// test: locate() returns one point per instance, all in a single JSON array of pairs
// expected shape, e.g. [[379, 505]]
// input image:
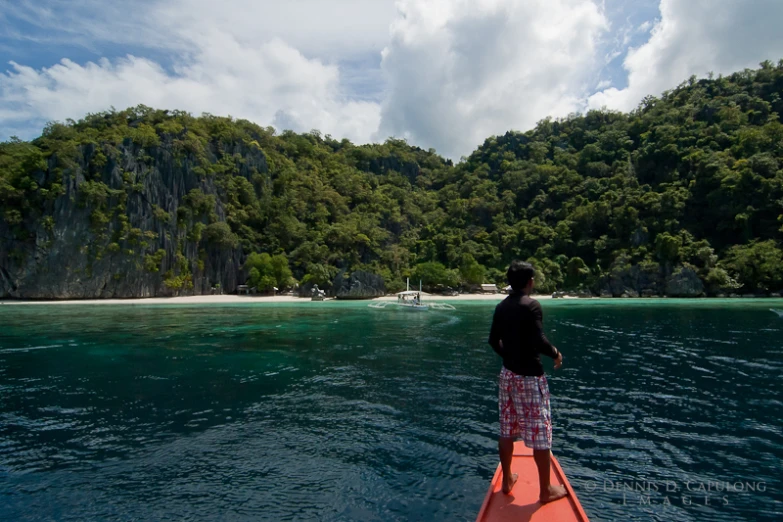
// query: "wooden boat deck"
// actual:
[[522, 504]]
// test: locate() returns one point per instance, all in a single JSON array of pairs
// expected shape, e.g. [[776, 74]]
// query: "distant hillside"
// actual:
[[683, 196]]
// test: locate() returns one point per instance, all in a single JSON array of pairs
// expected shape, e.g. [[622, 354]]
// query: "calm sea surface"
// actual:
[[663, 410]]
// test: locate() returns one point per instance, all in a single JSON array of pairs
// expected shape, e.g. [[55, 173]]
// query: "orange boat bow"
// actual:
[[522, 504]]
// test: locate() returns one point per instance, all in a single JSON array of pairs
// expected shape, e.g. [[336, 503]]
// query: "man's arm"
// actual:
[[544, 346]]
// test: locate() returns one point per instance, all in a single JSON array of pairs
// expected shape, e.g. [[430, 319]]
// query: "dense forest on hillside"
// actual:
[[683, 196]]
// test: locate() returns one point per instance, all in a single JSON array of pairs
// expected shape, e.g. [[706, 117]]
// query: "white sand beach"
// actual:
[[232, 299]]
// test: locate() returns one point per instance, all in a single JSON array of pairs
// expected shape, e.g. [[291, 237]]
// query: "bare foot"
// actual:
[[554, 493], [509, 485]]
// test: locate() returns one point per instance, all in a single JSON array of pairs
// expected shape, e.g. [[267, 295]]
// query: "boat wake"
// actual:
[[441, 306], [779, 312]]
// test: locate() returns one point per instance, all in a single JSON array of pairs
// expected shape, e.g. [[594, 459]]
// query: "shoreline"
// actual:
[[245, 299], [241, 299]]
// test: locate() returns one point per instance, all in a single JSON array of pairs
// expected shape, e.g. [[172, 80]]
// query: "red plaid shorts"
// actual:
[[523, 403]]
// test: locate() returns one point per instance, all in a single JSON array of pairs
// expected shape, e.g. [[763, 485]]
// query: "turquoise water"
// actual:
[[334, 411]]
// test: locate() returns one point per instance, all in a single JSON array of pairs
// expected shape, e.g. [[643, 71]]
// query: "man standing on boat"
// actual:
[[517, 335]]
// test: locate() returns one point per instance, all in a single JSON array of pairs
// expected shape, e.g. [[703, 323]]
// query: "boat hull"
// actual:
[[412, 307], [522, 504]]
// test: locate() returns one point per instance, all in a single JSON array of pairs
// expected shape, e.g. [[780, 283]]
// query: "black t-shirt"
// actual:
[[518, 322]]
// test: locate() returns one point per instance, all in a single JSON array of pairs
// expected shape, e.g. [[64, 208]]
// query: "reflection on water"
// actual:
[[340, 412]]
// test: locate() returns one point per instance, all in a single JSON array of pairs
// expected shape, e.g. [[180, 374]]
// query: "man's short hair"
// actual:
[[519, 274]]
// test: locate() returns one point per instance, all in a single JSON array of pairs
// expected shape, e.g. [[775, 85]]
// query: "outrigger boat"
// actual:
[[411, 299], [522, 503]]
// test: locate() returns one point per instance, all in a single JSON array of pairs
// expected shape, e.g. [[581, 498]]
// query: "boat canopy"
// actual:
[[409, 292]]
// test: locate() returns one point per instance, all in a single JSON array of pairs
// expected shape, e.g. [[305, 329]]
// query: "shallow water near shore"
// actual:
[[663, 410]]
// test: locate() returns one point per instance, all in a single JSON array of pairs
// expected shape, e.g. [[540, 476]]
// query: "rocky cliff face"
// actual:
[[648, 280], [360, 285], [632, 281], [684, 282], [125, 226]]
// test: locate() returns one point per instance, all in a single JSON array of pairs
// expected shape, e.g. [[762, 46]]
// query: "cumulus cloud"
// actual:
[[314, 27], [644, 27], [458, 71], [338, 28], [224, 58], [271, 84], [697, 37], [441, 73]]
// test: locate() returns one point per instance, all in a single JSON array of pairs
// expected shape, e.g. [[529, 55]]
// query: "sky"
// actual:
[[442, 74]]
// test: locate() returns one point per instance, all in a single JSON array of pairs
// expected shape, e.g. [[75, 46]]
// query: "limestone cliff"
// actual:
[[360, 285], [128, 221]]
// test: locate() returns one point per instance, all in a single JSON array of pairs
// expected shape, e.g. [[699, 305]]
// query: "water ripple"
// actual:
[[339, 413]]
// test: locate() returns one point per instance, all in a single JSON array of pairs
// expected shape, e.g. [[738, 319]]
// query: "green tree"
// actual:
[[260, 271], [471, 271], [690, 177], [281, 272], [577, 273], [757, 265], [433, 274], [718, 280], [319, 274], [266, 272], [254, 277], [668, 248], [220, 235]]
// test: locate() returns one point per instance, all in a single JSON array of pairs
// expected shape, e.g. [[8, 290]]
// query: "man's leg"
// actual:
[[509, 427], [541, 438], [506, 450], [548, 492]]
